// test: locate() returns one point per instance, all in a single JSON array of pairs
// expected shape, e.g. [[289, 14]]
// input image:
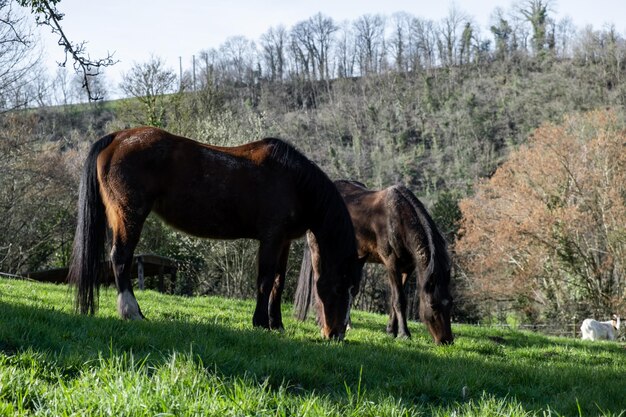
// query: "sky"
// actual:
[[135, 30]]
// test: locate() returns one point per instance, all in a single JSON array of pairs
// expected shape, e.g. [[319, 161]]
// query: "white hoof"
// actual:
[[127, 306]]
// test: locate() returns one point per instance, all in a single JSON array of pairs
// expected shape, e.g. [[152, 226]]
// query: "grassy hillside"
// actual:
[[201, 356]]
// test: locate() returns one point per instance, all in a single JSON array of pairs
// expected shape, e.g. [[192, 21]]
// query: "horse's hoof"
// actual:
[[403, 333], [279, 327], [132, 317], [260, 323], [127, 307], [127, 315]]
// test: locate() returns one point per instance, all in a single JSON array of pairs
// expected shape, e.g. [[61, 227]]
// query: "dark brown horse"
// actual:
[[393, 228], [263, 190]]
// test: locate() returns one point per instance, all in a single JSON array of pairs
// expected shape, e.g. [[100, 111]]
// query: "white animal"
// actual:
[[597, 330]]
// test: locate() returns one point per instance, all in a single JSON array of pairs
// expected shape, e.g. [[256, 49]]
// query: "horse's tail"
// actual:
[[303, 296], [86, 264]]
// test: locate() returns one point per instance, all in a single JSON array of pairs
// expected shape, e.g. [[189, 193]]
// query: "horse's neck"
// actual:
[[416, 239], [422, 251], [333, 228], [324, 243], [333, 243]]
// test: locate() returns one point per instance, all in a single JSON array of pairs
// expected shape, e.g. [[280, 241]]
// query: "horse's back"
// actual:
[[203, 190], [378, 217], [392, 224]]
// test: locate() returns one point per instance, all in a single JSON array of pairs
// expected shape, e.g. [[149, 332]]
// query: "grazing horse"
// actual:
[[393, 228], [264, 190]]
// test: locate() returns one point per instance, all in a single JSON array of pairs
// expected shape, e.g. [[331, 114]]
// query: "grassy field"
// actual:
[[201, 356]]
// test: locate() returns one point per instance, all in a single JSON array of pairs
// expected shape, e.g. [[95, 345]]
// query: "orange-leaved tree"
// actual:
[[546, 234]]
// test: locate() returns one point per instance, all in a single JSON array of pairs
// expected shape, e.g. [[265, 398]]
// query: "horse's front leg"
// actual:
[[403, 327], [269, 253], [392, 323], [397, 325], [274, 310]]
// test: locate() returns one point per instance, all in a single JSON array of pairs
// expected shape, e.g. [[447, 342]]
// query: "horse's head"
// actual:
[[615, 321], [336, 288], [435, 308]]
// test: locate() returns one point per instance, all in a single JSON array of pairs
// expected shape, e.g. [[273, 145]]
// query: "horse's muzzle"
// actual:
[[333, 335], [445, 341]]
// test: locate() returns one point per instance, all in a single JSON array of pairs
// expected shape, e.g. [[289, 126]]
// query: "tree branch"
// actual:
[[46, 14]]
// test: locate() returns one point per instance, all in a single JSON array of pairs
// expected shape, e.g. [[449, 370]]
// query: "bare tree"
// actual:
[[451, 37], [301, 46], [40, 89], [238, 57], [369, 34], [345, 54], [61, 87], [16, 59], [46, 14], [149, 83], [273, 45], [565, 33], [322, 30], [423, 36], [208, 64], [97, 86], [400, 41], [311, 41]]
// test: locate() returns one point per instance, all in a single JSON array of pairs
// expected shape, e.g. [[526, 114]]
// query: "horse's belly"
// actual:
[[206, 222], [232, 220]]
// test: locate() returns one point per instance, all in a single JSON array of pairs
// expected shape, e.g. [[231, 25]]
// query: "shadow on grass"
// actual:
[[509, 365]]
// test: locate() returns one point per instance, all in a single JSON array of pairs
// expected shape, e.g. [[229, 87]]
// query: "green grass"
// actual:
[[201, 356]]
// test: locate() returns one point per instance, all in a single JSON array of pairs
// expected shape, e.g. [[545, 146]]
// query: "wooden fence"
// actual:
[[144, 266]]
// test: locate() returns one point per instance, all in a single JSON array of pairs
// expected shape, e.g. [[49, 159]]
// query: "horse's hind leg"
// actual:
[[274, 310], [125, 239], [122, 259]]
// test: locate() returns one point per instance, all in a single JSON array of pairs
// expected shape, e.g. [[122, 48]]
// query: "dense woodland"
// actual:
[[513, 137]]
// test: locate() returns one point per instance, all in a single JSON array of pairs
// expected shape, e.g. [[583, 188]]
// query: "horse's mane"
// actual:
[[333, 226], [353, 182], [439, 260]]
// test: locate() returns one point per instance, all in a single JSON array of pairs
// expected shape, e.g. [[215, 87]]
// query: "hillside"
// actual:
[[440, 127], [201, 356]]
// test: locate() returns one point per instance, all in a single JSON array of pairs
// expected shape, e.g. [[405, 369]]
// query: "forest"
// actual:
[[513, 138]]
